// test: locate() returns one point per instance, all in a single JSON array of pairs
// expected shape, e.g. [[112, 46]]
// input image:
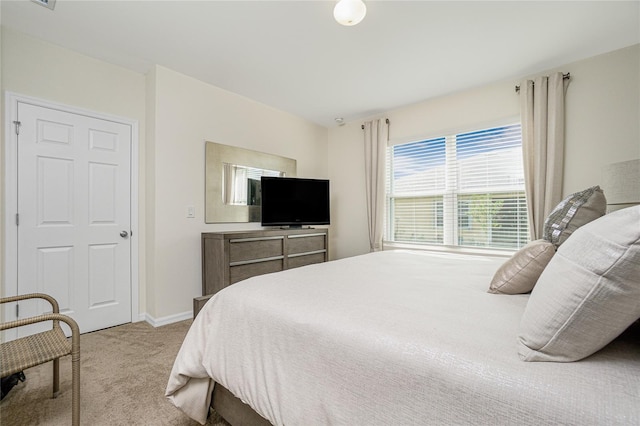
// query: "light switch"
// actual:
[[191, 212]]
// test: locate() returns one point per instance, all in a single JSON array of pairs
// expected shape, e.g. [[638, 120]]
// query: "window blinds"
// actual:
[[465, 189]]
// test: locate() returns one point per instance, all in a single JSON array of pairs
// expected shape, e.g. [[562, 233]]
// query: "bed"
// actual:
[[395, 337]]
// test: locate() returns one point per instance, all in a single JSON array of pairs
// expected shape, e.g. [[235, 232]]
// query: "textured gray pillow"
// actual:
[[588, 294], [573, 212], [519, 274]]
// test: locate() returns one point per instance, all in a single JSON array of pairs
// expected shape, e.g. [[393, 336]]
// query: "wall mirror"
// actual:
[[232, 181]]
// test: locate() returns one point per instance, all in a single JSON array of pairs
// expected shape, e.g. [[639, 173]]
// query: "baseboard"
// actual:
[[170, 319]]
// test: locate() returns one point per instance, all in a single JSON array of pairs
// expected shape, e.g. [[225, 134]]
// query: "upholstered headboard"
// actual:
[[621, 184]]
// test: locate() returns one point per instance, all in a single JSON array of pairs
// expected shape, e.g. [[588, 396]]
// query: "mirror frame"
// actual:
[[216, 154]]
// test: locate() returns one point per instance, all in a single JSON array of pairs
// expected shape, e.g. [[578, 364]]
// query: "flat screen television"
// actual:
[[294, 202]]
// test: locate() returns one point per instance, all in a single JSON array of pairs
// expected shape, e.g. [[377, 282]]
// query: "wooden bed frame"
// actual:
[[233, 410]]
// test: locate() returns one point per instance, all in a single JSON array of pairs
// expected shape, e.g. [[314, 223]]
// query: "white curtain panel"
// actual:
[[542, 114], [376, 135], [228, 177], [234, 188]]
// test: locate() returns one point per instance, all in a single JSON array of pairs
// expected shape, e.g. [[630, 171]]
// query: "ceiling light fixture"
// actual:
[[349, 12]]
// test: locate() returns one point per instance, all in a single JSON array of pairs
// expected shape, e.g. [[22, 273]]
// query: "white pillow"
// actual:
[[589, 292]]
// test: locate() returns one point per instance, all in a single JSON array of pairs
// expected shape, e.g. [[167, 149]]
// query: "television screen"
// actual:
[[294, 201]]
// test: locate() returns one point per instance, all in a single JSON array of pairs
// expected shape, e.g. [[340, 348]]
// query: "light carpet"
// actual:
[[124, 372]]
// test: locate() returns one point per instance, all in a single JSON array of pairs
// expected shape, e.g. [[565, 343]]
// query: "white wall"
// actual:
[[603, 126], [349, 229], [189, 112], [2, 194], [39, 69], [603, 116], [176, 114]]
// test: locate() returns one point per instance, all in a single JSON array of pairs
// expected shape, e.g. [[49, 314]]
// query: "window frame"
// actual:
[[451, 239]]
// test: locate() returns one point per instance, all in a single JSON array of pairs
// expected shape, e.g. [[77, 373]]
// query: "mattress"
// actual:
[[393, 337]]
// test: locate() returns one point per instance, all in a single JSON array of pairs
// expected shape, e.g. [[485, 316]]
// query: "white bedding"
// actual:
[[394, 337]]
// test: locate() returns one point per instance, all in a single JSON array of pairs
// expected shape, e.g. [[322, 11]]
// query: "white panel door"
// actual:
[[74, 195]]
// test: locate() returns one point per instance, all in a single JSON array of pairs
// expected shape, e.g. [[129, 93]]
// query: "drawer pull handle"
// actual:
[[308, 253], [249, 262], [319, 234], [247, 240]]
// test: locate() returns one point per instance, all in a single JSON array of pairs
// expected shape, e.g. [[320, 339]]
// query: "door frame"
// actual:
[[10, 274]]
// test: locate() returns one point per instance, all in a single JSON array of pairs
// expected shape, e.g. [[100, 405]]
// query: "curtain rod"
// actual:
[[386, 120], [564, 77]]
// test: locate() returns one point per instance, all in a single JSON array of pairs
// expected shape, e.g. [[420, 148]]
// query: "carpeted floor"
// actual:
[[124, 372]]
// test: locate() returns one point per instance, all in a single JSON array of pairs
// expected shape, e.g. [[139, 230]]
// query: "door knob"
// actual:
[[124, 234]]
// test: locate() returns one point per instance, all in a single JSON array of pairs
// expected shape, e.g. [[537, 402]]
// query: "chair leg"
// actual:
[[75, 373], [56, 377]]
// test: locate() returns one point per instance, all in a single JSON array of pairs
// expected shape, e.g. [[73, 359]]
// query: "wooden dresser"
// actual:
[[229, 257]]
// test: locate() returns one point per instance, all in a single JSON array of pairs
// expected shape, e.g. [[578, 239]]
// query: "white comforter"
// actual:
[[393, 337]]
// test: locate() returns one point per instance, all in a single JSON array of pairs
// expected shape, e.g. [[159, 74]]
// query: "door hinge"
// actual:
[[17, 219], [18, 124], [17, 311]]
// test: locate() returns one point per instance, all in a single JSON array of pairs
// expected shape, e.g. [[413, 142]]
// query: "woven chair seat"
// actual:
[[29, 351], [20, 354]]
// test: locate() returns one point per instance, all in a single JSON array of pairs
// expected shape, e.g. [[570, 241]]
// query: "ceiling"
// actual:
[[293, 56]]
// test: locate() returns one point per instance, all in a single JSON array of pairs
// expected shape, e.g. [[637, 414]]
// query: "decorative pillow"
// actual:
[[574, 211], [520, 273], [588, 294]]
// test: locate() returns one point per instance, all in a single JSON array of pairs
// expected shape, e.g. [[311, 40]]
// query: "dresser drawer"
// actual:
[[248, 270], [241, 249], [307, 259], [306, 243]]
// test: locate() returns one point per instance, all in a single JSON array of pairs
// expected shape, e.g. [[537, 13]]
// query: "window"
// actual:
[[464, 190]]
